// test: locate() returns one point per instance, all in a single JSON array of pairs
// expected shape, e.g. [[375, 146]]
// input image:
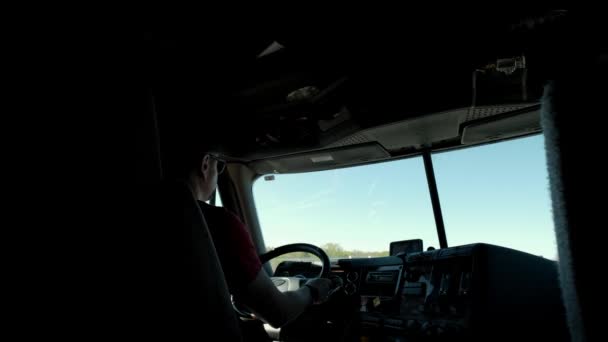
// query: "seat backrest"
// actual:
[[180, 276]]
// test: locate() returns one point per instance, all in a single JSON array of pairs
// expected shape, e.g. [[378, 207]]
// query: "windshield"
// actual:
[[498, 194], [495, 194], [350, 212]]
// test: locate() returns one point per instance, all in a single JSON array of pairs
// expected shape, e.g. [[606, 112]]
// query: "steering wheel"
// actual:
[[300, 247], [289, 283]]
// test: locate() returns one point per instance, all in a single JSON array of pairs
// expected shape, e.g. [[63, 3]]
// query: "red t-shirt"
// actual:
[[234, 247]]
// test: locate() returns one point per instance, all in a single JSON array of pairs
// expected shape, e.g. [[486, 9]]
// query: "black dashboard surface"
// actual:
[[465, 292]]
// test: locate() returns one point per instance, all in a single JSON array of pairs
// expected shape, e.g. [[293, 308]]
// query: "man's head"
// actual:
[[198, 164], [203, 177]]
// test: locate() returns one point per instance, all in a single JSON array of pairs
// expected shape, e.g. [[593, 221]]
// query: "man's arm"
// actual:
[[279, 308], [242, 266]]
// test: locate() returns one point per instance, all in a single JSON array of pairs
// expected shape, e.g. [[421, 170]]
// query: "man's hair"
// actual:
[[186, 155], [191, 121]]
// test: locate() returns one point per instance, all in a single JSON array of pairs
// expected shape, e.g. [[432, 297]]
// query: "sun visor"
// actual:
[[322, 160], [523, 122]]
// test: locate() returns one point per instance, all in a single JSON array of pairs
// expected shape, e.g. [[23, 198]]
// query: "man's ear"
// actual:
[[205, 165]]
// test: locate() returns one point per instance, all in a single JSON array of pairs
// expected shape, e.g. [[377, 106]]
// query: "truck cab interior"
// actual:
[[337, 92]]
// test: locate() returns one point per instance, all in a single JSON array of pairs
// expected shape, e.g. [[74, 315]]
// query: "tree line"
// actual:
[[334, 250]]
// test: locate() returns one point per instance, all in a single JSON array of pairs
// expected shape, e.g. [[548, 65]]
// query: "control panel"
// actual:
[[464, 293]]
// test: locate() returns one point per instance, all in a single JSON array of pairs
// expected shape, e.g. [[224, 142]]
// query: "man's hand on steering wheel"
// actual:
[[320, 289], [278, 300]]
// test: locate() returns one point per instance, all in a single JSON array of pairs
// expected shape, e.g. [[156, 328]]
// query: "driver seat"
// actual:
[[181, 282]]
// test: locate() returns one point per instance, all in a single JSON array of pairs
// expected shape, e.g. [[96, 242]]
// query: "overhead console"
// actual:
[[473, 292]]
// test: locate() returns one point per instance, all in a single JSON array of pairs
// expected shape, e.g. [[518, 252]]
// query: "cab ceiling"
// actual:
[[403, 82]]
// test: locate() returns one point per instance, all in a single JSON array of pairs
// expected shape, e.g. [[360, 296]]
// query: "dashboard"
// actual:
[[472, 292]]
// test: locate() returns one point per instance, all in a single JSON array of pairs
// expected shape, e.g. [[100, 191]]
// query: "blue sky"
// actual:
[[496, 194]]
